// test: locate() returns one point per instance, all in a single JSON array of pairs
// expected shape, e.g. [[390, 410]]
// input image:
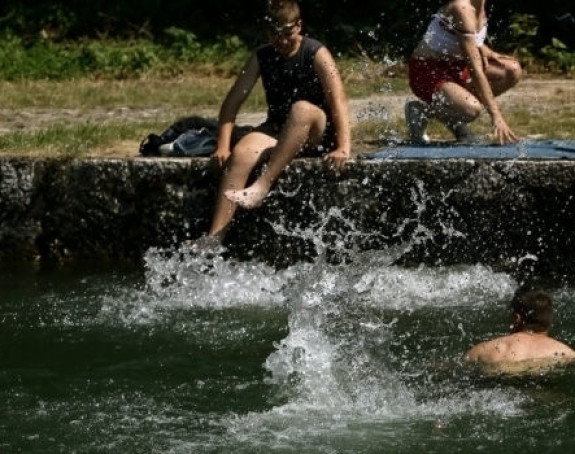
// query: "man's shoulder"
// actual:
[[490, 350], [519, 347], [560, 349]]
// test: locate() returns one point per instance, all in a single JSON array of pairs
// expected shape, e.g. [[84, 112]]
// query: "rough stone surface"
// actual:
[[507, 214]]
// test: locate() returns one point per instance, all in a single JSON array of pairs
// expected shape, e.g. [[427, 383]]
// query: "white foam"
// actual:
[[210, 281], [401, 288]]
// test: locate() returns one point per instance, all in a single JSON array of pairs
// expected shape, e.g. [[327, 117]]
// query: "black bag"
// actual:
[[150, 146]]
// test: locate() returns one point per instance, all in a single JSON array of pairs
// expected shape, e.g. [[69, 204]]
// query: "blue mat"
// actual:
[[548, 149]]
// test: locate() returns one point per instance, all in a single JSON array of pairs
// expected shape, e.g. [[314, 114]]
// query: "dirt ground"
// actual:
[[532, 95]]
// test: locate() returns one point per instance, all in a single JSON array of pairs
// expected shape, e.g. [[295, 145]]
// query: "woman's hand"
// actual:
[[502, 132], [490, 57], [486, 55]]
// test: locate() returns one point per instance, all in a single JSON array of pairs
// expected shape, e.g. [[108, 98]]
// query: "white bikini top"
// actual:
[[442, 37]]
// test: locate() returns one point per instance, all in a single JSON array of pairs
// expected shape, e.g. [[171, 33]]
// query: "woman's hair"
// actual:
[[283, 11], [535, 308]]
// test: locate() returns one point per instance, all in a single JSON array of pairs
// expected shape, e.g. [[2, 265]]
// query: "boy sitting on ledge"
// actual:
[[307, 114]]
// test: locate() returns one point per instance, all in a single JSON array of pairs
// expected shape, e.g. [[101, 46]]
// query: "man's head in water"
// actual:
[[529, 346], [532, 310]]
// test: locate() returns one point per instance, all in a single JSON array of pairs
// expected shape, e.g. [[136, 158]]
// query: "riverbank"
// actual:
[[124, 112]]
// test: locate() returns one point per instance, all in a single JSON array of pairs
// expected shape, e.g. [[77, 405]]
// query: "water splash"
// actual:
[[341, 314], [345, 358], [207, 279]]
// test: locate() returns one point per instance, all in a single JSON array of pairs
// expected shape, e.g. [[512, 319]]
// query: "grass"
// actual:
[[199, 91], [534, 112], [201, 87], [164, 100], [120, 126], [66, 142], [103, 97], [364, 77], [189, 92], [525, 124]]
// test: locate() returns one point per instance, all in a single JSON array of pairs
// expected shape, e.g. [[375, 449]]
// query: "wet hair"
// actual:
[[282, 11], [535, 307]]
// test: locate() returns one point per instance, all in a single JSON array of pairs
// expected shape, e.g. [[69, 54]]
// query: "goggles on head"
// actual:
[[280, 29]]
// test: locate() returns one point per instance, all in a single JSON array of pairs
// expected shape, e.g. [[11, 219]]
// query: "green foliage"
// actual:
[[60, 40], [523, 29], [227, 51], [558, 56], [116, 59], [183, 44], [20, 61]]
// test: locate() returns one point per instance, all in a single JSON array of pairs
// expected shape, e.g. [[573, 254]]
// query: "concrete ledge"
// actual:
[[507, 214]]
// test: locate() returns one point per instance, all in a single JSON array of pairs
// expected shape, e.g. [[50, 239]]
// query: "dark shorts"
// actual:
[[317, 151], [427, 75]]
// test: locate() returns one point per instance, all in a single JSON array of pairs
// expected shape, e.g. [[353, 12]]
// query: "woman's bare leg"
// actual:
[[503, 73], [454, 104], [306, 124], [248, 152]]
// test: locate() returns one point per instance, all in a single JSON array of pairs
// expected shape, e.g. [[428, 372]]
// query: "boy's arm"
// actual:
[[231, 105], [332, 84]]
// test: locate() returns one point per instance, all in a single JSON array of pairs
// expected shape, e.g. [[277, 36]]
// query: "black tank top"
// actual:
[[287, 80]]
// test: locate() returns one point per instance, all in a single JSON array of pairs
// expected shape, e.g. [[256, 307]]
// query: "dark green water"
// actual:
[[362, 358]]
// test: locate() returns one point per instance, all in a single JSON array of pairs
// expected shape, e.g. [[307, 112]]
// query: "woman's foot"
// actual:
[[416, 120], [463, 134], [248, 198]]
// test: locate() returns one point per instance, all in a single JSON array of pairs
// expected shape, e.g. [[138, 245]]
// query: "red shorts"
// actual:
[[427, 75]]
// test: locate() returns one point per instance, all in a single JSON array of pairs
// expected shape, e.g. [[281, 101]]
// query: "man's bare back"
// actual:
[[529, 346], [522, 346]]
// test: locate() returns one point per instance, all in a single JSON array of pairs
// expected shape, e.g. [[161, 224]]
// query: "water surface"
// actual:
[[210, 355]]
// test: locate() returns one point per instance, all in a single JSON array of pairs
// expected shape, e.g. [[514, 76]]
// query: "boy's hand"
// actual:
[[336, 159], [221, 155]]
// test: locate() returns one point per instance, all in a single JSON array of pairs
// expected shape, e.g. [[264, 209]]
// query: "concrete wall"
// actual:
[[507, 214]]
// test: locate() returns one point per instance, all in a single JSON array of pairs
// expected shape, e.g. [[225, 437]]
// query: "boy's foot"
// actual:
[[205, 242], [463, 134], [416, 121], [247, 198], [207, 246]]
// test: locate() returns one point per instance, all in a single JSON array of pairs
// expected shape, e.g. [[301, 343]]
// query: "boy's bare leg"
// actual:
[[246, 155], [306, 124]]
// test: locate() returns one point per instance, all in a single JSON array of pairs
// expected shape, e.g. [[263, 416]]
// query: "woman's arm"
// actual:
[[230, 107], [489, 54], [332, 84], [464, 16]]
